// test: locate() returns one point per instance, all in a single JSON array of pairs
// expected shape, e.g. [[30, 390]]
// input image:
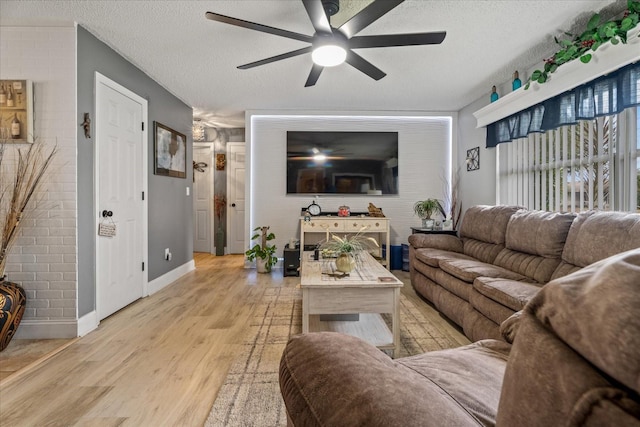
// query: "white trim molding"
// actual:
[[47, 329], [166, 279], [88, 323], [606, 59]]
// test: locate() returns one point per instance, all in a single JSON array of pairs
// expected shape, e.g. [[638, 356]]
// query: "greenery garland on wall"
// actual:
[[595, 35]]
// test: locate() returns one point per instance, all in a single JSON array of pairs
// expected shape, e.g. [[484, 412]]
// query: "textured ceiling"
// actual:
[[196, 59]]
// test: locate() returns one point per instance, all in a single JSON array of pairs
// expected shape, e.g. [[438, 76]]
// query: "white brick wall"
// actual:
[[44, 257]]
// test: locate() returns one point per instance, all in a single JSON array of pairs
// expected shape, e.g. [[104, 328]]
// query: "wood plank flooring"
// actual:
[[159, 361]]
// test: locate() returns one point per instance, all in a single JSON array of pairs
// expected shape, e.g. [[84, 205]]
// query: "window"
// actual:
[[593, 164]]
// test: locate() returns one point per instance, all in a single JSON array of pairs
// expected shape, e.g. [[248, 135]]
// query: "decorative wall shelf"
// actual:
[[606, 59]]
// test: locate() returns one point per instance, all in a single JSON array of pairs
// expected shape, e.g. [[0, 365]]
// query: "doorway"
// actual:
[[203, 197], [235, 197], [120, 166]]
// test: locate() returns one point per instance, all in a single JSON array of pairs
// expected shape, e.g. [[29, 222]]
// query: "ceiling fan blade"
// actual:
[[318, 17], [412, 39], [258, 27], [314, 75], [276, 58], [367, 15], [365, 66]]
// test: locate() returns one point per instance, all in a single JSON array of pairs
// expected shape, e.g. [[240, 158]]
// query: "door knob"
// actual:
[[233, 205], [107, 214]]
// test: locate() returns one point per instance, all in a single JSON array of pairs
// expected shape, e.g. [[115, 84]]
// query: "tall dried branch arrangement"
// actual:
[[20, 179], [452, 203]]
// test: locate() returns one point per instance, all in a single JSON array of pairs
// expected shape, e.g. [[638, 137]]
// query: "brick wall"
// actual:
[[44, 258]]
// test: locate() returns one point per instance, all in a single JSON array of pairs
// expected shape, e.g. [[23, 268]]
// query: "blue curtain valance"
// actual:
[[603, 96]]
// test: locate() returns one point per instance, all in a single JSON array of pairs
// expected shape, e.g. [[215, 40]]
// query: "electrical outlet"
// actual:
[[188, 191], [167, 255]]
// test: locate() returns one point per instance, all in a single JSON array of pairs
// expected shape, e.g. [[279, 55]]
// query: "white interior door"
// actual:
[[203, 199], [121, 169], [235, 197]]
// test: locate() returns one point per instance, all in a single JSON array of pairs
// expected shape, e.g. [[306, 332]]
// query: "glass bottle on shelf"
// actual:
[[10, 97], [517, 83], [15, 127], [494, 94], [3, 95]]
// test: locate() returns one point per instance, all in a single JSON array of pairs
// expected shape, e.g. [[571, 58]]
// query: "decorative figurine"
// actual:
[[87, 126]]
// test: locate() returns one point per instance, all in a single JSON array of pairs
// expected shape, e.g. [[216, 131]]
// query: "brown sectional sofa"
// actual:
[[505, 255], [575, 361]]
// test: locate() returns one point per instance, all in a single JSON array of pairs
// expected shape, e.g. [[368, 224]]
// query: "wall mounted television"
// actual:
[[353, 163]]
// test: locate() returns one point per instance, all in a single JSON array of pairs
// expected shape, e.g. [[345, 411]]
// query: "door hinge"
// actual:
[[142, 125], [143, 195], [143, 266]]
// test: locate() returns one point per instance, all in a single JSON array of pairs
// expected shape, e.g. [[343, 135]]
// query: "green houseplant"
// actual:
[[263, 253], [425, 208], [594, 35], [345, 248]]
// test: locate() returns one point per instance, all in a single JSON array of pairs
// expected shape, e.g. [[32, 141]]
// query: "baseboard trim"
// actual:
[[47, 329], [88, 323], [166, 279]]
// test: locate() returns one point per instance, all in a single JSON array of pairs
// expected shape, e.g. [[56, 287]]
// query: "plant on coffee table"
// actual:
[[346, 247]]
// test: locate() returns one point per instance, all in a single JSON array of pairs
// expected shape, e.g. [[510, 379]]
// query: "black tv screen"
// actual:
[[342, 162]]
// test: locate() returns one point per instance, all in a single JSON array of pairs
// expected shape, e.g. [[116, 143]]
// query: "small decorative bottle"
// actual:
[[10, 97], [3, 95], [15, 127], [517, 83], [494, 94]]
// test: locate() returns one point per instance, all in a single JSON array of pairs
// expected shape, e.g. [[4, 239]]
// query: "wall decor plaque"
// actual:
[[16, 110]]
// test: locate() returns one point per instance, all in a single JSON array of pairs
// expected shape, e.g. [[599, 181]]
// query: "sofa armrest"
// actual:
[[509, 328], [445, 242]]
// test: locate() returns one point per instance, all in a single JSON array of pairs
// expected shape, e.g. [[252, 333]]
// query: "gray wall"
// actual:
[[170, 210], [476, 187]]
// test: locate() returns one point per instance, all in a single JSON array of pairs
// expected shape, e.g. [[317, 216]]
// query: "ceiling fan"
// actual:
[[331, 46]]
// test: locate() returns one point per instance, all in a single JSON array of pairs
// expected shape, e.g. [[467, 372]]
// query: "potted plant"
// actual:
[[425, 208], [345, 248], [20, 178], [262, 253]]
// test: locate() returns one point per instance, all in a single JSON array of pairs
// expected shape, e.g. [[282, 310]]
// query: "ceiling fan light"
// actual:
[[329, 55], [319, 158]]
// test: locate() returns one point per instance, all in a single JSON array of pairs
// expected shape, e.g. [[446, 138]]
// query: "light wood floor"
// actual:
[[159, 361]]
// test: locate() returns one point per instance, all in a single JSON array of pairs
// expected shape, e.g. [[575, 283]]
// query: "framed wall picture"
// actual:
[[16, 110], [473, 159], [170, 152]]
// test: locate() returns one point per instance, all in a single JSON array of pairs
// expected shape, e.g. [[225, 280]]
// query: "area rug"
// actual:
[[250, 396]]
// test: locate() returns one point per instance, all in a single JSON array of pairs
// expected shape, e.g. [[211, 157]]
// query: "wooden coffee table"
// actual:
[[369, 290]]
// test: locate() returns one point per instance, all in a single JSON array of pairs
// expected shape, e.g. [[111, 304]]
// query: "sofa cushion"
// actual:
[[487, 223], [458, 287], [609, 291], [597, 235], [511, 293], [537, 268], [482, 251], [433, 257], [580, 361], [330, 379], [468, 270], [490, 309], [437, 241], [538, 232]]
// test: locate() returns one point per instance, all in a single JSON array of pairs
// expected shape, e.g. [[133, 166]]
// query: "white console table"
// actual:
[[348, 224]]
